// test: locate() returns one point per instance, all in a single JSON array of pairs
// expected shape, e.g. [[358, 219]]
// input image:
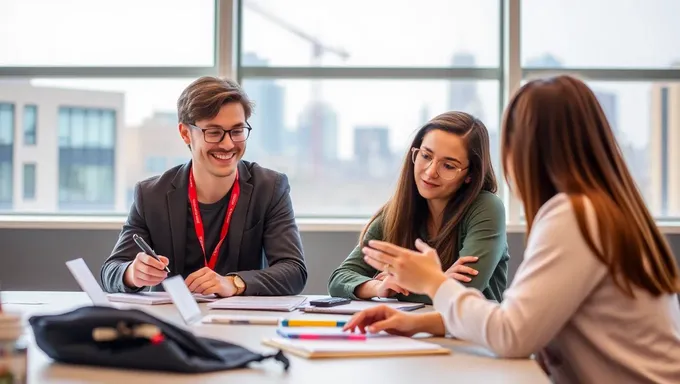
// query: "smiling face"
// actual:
[[217, 159], [440, 165]]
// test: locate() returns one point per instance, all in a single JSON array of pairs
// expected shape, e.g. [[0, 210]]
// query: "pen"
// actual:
[[312, 323], [145, 247], [272, 321]]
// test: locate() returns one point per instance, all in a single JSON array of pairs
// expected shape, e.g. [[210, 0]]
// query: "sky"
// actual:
[[426, 33]]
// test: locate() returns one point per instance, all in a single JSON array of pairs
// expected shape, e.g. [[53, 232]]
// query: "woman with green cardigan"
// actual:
[[445, 196]]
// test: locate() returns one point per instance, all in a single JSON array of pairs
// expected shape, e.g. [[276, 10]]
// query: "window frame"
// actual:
[[228, 39]]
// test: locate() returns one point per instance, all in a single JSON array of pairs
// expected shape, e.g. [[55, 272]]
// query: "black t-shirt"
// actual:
[[213, 218]]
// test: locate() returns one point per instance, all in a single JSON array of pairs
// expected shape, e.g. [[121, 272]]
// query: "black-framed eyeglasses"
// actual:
[[445, 169], [216, 135]]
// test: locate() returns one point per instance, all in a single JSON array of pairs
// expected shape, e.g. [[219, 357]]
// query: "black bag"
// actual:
[[130, 338]]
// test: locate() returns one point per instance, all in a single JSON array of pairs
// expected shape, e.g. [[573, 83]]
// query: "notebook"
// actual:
[[371, 347], [358, 306], [261, 303], [87, 282]]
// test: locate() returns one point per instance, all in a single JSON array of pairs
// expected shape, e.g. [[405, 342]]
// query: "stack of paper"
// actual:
[[260, 303], [152, 298], [371, 347], [358, 306]]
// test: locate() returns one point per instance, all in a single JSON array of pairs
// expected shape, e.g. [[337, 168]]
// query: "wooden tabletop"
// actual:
[[466, 363]]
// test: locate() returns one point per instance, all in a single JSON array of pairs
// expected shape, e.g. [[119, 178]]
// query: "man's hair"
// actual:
[[203, 99]]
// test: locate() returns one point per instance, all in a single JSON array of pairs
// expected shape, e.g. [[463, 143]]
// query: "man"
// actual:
[[216, 219]]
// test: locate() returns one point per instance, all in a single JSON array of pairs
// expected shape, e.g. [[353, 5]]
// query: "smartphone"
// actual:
[[330, 302]]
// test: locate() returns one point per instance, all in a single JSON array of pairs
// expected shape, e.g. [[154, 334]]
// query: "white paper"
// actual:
[[264, 303], [87, 282]]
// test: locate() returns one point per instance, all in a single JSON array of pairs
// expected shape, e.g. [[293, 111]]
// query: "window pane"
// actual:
[[363, 33], [601, 34], [95, 33], [29, 181], [30, 124], [342, 154], [6, 123], [6, 185], [93, 128]]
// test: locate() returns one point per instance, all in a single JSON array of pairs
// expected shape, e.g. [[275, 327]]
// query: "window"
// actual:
[[122, 33], [336, 102], [382, 33], [6, 124], [632, 65], [29, 181], [601, 34], [30, 124], [336, 106], [86, 159], [6, 155]]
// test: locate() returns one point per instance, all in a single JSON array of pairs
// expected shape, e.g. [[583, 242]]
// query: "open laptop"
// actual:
[[89, 284]]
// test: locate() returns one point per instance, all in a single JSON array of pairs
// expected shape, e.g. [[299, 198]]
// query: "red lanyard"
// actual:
[[198, 222]]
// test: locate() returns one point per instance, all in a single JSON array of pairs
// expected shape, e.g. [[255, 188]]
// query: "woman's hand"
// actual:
[[418, 272], [388, 287], [458, 269], [384, 318]]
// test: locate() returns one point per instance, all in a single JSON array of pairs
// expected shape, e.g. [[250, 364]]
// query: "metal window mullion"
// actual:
[[371, 73], [513, 67], [106, 72], [608, 74], [227, 44]]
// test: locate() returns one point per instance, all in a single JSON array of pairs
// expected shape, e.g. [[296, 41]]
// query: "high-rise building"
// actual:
[[59, 149], [463, 95], [372, 151], [267, 120], [318, 133], [664, 149], [371, 141]]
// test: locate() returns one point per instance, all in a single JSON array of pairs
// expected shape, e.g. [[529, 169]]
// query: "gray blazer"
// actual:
[[264, 244]]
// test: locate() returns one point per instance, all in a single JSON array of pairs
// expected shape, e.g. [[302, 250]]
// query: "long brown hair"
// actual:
[[405, 214], [556, 139]]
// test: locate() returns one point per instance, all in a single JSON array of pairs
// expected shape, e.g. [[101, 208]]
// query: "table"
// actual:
[[466, 363]]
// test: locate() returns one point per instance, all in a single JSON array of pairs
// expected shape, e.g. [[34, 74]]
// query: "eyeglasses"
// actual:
[[446, 169], [216, 135]]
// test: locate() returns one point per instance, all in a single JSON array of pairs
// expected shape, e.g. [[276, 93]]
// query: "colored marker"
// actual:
[[311, 336], [312, 323]]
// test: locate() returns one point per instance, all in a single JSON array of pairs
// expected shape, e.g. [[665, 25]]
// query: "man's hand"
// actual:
[[205, 281], [459, 271], [145, 271]]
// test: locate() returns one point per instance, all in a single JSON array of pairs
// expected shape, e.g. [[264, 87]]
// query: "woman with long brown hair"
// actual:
[[596, 293], [446, 196]]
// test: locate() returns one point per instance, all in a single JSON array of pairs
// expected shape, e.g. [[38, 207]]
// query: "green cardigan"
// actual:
[[481, 233]]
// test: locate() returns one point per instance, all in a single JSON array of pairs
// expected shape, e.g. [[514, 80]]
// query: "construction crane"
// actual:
[[319, 48]]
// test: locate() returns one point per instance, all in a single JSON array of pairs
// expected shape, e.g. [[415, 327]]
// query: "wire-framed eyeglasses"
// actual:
[[446, 169], [216, 135]]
